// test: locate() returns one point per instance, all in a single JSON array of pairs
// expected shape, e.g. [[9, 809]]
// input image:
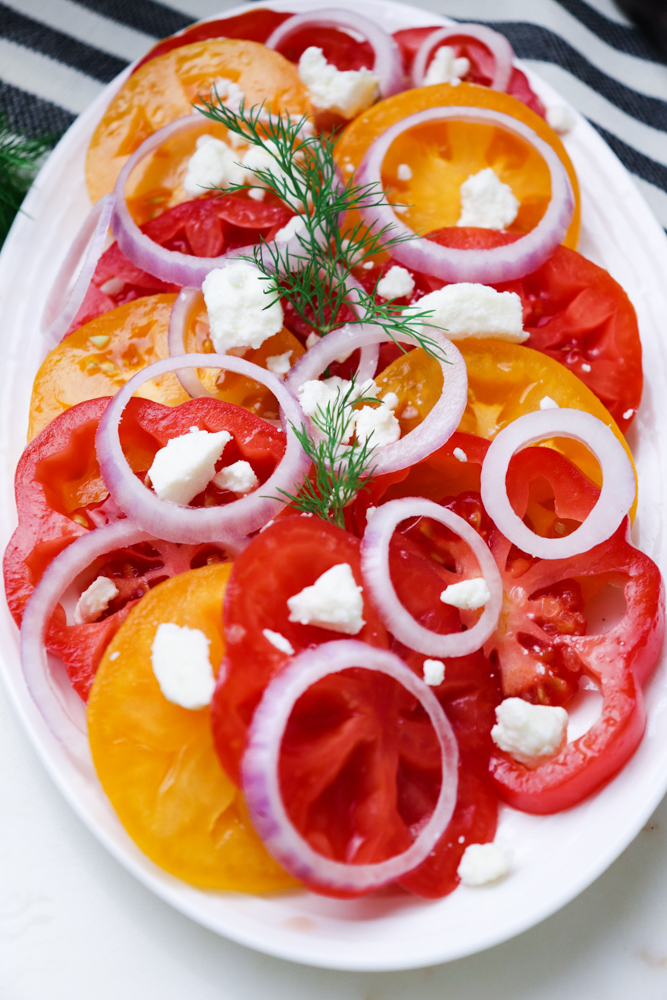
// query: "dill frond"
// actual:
[[20, 159]]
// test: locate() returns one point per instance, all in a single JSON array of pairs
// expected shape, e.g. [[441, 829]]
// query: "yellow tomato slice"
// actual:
[[156, 760], [442, 155], [164, 89], [504, 382], [100, 357]]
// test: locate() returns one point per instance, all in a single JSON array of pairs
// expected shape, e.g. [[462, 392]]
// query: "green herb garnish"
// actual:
[[20, 159]]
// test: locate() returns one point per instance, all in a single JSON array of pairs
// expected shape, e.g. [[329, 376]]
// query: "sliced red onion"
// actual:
[[497, 44], [65, 298], [375, 569], [439, 424], [171, 265], [388, 62], [178, 322], [64, 569], [229, 523], [489, 266], [618, 480], [260, 768]]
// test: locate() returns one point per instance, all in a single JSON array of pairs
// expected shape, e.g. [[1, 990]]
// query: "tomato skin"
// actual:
[[254, 25], [60, 495], [283, 559], [411, 39], [203, 227]]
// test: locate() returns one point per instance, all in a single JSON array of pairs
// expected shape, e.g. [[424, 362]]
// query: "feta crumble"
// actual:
[[239, 478], [186, 465], [333, 602], [397, 283], [181, 664], [377, 423], [561, 119], [468, 595], [530, 733], [95, 600], [628, 414], [312, 339], [467, 309], [290, 229], [483, 863], [460, 455], [213, 164], [345, 92], [585, 367], [445, 67], [240, 308], [279, 364], [404, 172], [547, 403], [434, 672], [487, 202], [278, 640]]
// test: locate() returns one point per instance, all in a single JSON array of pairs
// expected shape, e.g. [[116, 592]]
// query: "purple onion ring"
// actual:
[[497, 44], [261, 782]]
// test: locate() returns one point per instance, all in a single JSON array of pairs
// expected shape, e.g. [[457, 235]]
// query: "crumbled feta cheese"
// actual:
[[390, 399], [585, 367], [114, 286], [547, 403], [397, 283], [279, 364], [240, 308], [404, 172], [238, 478], [378, 423], [181, 664], [262, 158], [370, 510], [400, 209], [345, 92], [445, 67], [529, 732], [228, 93], [95, 600], [213, 164], [368, 265], [628, 414], [333, 602], [312, 339], [561, 119], [483, 863], [186, 465], [292, 228], [472, 310], [487, 202], [434, 672], [114, 656], [460, 455], [315, 396], [468, 595], [410, 412], [279, 641]]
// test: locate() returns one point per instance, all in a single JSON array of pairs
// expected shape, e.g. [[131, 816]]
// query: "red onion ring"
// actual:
[[228, 524], [60, 573], [439, 424], [375, 570], [170, 265], [489, 266], [618, 480], [64, 302], [497, 44], [388, 62], [261, 783]]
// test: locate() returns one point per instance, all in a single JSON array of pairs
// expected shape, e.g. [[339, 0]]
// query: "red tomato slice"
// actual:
[[204, 227], [481, 64], [255, 25], [60, 495], [573, 310], [288, 556]]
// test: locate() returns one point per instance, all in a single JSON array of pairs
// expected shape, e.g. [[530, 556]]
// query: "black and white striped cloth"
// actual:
[[56, 55]]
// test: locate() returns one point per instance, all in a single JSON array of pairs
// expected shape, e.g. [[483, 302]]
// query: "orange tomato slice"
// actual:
[[156, 760], [163, 90], [504, 382], [442, 155], [100, 357]]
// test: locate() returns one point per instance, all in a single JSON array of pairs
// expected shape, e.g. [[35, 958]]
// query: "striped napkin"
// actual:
[[56, 56]]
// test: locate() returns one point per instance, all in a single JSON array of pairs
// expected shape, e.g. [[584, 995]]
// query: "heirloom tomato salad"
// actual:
[[326, 502]]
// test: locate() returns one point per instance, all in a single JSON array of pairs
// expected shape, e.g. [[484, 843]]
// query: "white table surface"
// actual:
[[75, 924]]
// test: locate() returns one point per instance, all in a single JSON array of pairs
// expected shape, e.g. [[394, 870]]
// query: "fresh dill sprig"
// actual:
[[339, 471], [20, 159], [300, 169]]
